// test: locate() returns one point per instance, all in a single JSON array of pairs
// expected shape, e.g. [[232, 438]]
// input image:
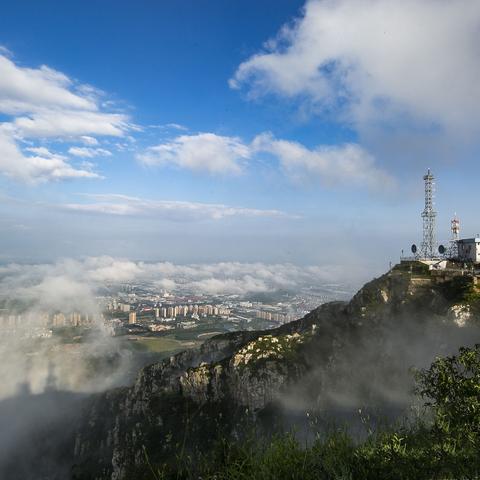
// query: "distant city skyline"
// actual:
[[282, 132]]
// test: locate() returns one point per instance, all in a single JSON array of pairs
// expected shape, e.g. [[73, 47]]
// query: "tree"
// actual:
[[451, 387]]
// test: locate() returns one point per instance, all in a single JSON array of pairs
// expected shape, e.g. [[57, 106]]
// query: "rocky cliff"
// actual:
[[338, 358]]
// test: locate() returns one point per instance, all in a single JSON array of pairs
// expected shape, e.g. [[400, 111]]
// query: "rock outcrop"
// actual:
[[337, 358]]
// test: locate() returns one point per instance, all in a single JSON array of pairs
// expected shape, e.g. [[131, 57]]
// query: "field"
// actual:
[[167, 344]]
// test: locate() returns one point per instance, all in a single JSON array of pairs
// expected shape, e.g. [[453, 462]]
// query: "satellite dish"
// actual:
[[442, 249], [414, 248]]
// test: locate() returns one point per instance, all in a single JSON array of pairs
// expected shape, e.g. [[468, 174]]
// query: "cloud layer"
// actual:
[[53, 286], [123, 205]]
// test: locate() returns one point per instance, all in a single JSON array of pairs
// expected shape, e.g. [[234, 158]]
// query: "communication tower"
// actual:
[[429, 243], [453, 250]]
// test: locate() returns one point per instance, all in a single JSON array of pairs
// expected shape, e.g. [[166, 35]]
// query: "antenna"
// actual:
[[428, 247], [455, 228]]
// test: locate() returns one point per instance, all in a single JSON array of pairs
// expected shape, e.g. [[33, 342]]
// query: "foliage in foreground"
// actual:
[[447, 447]]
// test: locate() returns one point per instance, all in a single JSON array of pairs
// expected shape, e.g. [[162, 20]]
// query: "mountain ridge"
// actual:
[[338, 357]]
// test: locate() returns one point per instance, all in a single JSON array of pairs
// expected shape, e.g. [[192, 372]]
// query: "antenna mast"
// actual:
[[429, 243], [453, 253]]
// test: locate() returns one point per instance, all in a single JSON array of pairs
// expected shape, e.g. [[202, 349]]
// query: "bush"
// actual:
[[445, 447]]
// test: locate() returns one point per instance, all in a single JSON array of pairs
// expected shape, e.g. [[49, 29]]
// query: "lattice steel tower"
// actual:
[[429, 243]]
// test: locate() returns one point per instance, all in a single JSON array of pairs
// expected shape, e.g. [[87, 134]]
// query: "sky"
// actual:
[[207, 131]]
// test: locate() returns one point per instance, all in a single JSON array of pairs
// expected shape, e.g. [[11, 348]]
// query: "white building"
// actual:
[[469, 250]]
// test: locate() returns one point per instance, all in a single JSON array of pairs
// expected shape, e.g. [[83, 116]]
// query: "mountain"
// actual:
[[341, 357]]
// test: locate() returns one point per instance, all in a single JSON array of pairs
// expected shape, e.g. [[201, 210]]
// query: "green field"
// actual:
[[163, 344]]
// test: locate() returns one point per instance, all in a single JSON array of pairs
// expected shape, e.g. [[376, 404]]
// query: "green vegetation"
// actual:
[[459, 289], [413, 267], [160, 344], [446, 446], [70, 334], [280, 348], [201, 328], [462, 291]]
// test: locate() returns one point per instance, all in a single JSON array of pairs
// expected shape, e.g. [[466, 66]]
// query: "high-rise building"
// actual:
[[132, 317], [59, 320]]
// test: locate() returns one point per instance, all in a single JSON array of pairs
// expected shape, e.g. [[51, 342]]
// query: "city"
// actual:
[[162, 322]]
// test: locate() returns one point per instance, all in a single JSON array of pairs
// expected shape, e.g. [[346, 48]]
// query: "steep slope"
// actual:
[[338, 358]]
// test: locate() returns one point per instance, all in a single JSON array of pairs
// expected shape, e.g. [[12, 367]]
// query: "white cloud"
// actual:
[[42, 103], [81, 277], [122, 205], [376, 61], [204, 152], [5, 51], [346, 164], [176, 126], [48, 103], [44, 166], [86, 152], [87, 140], [25, 89], [42, 151], [70, 123]]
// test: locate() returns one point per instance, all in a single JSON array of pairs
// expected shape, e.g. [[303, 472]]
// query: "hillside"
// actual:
[[335, 360]]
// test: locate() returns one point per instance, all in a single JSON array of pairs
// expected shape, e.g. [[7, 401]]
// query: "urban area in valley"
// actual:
[[160, 322]]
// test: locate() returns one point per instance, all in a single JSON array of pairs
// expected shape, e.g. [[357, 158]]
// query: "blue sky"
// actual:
[[273, 131]]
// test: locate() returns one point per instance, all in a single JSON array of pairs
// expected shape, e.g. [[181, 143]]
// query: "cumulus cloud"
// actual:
[[204, 152], [40, 167], [332, 164], [377, 60], [25, 89], [112, 204], [43, 103], [46, 102]]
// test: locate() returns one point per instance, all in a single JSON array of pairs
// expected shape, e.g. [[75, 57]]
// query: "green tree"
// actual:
[[451, 387]]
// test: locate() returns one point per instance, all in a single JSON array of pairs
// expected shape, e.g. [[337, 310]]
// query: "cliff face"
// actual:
[[339, 357]]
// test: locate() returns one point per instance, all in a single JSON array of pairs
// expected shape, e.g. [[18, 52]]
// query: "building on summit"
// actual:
[[463, 250], [469, 250]]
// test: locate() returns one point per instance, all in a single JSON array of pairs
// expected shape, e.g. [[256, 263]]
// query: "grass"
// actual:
[[407, 454], [441, 442], [162, 344]]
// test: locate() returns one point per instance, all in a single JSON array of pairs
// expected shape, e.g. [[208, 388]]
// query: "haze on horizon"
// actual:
[[274, 132]]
